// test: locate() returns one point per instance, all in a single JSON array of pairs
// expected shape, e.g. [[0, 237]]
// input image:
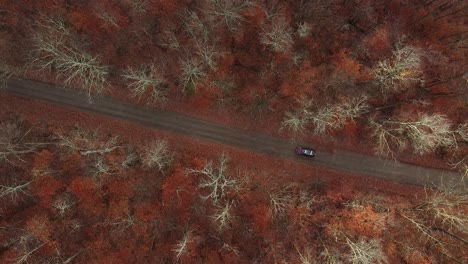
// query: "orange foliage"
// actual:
[[42, 159], [85, 21], [88, 194], [147, 211], [261, 218], [46, 186], [118, 207], [344, 62], [391, 251], [286, 90], [416, 257], [365, 222], [224, 66], [177, 191], [349, 131], [377, 43], [256, 15], [201, 101], [40, 226], [166, 7]]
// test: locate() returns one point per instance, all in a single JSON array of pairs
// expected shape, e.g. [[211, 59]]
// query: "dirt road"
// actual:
[[339, 160]]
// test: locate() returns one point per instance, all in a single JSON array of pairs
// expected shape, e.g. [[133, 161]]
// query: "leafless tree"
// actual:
[[449, 206], [228, 12], [181, 248], [305, 256], [157, 155], [403, 69], [194, 26], [192, 71], [168, 39], [139, 6], [424, 134], [324, 118], [147, 80], [216, 180], [223, 216], [277, 35], [15, 189], [54, 50], [209, 55], [13, 141], [63, 203], [366, 251], [124, 223], [279, 202], [88, 142]]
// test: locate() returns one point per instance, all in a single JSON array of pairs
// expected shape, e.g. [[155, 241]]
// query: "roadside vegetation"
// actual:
[[161, 202]]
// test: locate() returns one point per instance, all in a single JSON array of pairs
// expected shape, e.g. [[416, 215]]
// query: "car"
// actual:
[[305, 151]]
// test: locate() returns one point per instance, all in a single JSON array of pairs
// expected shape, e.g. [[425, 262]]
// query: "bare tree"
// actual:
[[448, 206], [99, 167], [14, 190], [324, 118], [25, 255], [63, 203], [146, 80], [403, 69], [386, 139], [157, 155], [95, 148], [192, 72], [53, 50], [124, 223], [279, 202], [88, 142], [25, 245], [139, 6], [130, 159], [13, 141], [216, 180], [223, 216], [366, 251], [194, 26], [168, 39], [277, 35], [181, 248], [424, 134], [209, 55], [108, 19], [331, 255], [228, 12], [306, 256]]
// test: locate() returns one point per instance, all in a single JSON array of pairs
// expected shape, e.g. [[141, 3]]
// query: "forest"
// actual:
[[385, 78]]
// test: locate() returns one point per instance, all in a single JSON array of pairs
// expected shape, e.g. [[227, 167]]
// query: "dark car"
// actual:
[[304, 151]]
